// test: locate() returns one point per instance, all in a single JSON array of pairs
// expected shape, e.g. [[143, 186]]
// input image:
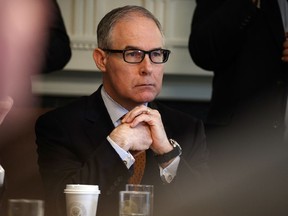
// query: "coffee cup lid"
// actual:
[[81, 188]]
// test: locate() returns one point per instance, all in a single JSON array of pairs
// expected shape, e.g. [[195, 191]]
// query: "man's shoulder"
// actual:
[[179, 121], [76, 106], [71, 112], [68, 108], [173, 113]]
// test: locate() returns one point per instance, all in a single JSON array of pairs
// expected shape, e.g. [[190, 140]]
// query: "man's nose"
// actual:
[[146, 65]]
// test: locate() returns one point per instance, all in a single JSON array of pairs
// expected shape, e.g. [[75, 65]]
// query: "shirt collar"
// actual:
[[115, 110]]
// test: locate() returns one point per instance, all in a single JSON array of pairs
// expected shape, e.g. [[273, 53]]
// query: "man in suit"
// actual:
[[243, 43], [90, 142]]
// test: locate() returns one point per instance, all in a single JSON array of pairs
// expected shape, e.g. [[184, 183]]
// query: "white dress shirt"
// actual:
[[116, 111]]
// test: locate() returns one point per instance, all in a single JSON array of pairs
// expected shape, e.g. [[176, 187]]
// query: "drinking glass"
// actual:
[[25, 207], [134, 203], [147, 188]]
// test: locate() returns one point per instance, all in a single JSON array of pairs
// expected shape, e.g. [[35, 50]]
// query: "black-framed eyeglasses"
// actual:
[[134, 56]]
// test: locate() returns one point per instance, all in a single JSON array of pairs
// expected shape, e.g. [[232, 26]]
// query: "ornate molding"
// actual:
[[83, 45]]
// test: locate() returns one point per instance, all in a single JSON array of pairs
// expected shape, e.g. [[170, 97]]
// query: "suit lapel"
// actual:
[[98, 121]]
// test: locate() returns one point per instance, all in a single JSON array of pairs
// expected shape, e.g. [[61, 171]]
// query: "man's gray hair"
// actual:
[[107, 23]]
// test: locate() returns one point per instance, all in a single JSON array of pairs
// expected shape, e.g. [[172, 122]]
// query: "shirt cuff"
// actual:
[[126, 157], [168, 173]]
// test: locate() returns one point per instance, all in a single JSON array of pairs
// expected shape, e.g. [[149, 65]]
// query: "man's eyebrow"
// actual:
[[131, 47], [134, 47]]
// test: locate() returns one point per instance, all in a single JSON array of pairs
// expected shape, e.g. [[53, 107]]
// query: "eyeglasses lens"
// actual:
[[137, 56]]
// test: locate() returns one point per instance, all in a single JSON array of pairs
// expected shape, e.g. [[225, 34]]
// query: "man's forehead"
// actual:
[[135, 27]]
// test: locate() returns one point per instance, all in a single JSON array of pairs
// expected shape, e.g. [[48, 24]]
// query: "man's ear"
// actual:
[[100, 57]]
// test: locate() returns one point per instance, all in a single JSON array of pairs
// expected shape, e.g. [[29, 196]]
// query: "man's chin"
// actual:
[[147, 98]]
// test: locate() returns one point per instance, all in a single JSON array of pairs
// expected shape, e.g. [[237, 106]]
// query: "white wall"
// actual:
[[82, 16], [183, 80]]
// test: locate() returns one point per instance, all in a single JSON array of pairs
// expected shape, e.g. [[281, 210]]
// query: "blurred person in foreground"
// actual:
[[22, 38], [97, 138], [33, 40], [243, 42]]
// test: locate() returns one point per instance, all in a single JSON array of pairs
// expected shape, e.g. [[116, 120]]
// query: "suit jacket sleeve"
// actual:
[[193, 175], [67, 156]]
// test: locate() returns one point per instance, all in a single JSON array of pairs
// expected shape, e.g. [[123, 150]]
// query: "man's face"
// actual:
[[133, 84]]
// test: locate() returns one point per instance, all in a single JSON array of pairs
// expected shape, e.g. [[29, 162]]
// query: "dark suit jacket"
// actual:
[[58, 50], [243, 46], [73, 148]]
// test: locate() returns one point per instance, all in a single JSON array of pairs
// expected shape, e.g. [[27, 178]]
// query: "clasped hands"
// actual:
[[141, 129]]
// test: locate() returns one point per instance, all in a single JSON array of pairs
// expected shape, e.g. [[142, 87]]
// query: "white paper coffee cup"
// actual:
[[81, 199]]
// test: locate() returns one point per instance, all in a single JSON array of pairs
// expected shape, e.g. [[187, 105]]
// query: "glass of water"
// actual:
[[25, 207], [141, 187], [134, 203]]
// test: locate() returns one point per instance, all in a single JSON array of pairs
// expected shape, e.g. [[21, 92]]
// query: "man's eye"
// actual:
[[134, 53], [157, 53]]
